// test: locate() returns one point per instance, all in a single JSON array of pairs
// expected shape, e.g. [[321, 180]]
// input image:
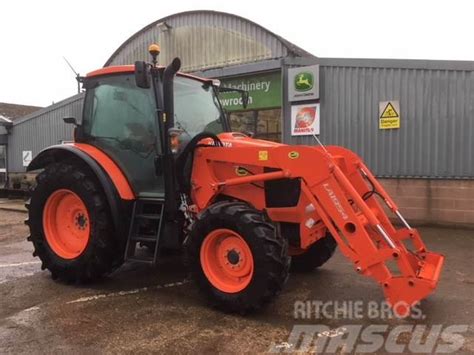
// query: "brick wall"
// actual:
[[424, 201]]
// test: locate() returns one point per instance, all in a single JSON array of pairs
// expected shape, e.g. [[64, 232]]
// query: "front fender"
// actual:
[[100, 163], [114, 183]]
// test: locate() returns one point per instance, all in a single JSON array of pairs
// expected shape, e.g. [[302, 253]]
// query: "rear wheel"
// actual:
[[70, 224], [238, 259], [316, 255]]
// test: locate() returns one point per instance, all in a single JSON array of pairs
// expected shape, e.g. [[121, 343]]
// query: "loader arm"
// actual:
[[337, 192]]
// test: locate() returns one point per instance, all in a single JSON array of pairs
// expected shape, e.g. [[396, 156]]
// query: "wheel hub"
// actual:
[[227, 260], [233, 257], [81, 221], [66, 224]]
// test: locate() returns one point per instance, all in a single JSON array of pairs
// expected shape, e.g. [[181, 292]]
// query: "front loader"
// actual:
[[154, 162]]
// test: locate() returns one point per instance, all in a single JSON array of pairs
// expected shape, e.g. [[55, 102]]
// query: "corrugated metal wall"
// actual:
[[203, 39], [436, 107], [41, 129], [437, 115]]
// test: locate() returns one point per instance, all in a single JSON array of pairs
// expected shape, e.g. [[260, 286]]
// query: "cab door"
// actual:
[[120, 119]]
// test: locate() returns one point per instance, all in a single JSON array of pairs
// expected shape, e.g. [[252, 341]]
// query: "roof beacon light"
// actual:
[[154, 50]]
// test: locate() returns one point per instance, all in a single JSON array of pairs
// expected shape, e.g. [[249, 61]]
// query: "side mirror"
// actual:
[[174, 134], [175, 131], [70, 120], [142, 78]]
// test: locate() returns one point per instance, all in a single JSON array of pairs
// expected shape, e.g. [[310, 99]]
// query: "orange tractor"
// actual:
[[154, 162]]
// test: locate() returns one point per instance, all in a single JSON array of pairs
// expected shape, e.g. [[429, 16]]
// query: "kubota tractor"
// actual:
[[154, 162]]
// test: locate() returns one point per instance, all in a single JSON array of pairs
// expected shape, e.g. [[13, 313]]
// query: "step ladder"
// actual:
[[145, 227]]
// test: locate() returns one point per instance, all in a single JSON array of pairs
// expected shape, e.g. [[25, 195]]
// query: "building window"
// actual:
[[262, 116], [265, 124]]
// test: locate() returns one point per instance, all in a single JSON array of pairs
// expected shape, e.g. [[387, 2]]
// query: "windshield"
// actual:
[[196, 107]]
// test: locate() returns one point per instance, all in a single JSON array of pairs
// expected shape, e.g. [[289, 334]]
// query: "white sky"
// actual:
[[35, 35]]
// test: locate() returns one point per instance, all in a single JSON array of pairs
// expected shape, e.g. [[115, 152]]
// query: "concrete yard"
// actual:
[[140, 309]]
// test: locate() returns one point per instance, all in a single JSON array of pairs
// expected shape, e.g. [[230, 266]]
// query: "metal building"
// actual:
[[436, 103], [436, 98], [210, 44], [32, 133]]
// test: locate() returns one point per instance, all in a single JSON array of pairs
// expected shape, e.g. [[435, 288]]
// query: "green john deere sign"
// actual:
[[264, 92], [304, 81]]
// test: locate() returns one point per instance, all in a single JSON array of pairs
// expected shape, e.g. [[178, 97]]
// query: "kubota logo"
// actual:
[[304, 81], [293, 155], [239, 171]]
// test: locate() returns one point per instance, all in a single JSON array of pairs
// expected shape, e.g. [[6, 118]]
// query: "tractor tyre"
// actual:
[[316, 255], [70, 224], [237, 257]]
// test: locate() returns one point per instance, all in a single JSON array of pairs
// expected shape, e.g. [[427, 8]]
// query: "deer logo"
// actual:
[[303, 81]]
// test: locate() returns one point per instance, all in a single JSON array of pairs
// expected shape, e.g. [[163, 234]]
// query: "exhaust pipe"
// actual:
[[168, 95], [171, 200]]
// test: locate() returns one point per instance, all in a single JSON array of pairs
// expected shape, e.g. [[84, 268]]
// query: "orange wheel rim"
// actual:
[[227, 260], [66, 224]]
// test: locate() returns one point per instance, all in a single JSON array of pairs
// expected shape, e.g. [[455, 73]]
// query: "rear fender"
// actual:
[[114, 183]]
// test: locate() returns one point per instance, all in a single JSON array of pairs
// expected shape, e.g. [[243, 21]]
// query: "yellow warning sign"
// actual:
[[389, 111], [389, 116]]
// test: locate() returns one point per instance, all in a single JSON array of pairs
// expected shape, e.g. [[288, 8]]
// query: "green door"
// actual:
[[119, 119]]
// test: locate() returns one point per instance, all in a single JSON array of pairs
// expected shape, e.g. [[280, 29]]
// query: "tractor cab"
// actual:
[[132, 124]]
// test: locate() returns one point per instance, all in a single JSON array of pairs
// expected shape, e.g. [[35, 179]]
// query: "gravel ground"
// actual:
[[140, 309]]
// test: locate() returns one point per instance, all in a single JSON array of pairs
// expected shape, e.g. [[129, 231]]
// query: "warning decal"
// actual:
[[263, 155], [27, 157], [389, 114]]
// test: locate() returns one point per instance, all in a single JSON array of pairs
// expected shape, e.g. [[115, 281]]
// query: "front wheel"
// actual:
[[70, 224], [238, 259]]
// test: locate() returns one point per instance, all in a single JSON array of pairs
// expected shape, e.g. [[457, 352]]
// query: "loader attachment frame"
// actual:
[[337, 193]]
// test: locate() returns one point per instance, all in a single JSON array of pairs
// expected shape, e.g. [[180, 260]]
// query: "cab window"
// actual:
[[119, 118], [118, 110]]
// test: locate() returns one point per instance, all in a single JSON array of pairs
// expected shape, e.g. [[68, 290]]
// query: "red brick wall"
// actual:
[[425, 201]]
